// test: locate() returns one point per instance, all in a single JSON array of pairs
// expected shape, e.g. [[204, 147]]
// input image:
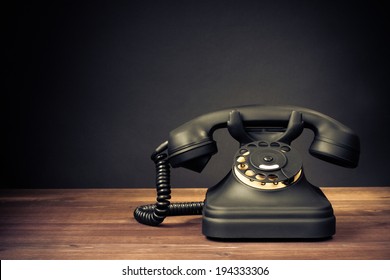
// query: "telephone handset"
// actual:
[[265, 194]]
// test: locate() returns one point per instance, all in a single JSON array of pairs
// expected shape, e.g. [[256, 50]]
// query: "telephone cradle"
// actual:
[[265, 195]]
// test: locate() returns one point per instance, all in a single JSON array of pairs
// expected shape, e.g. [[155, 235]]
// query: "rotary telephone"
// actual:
[[265, 194]]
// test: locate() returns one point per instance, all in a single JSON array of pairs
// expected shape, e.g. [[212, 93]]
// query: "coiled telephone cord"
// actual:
[[154, 214]]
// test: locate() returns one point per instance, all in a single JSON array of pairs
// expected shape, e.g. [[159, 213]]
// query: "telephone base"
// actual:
[[233, 210]]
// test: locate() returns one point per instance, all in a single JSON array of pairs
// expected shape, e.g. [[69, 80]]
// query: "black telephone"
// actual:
[[265, 194]]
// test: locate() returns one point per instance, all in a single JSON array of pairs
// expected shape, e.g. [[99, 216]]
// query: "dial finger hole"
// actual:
[[285, 149], [272, 177], [260, 177], [249, 173], [242, 166], [263, 144], [244, 152], [241, 159]]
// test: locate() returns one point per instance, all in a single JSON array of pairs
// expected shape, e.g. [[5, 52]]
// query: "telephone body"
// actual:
[[265, 194]]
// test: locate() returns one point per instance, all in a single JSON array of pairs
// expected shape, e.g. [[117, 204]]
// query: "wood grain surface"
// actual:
[[99, 224]]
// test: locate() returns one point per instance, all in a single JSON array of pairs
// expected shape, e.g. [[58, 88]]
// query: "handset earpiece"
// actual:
[[333, 142], [195, 156], [344, 152], [191, 145]]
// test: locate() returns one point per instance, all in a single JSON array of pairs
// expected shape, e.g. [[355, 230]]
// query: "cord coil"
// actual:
[[154, 214]]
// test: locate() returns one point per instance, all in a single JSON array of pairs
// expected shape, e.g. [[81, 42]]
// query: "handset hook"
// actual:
[[294, 128], [237, 130]]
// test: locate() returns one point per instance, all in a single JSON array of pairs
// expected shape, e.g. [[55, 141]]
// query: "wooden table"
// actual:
[[99, 224]]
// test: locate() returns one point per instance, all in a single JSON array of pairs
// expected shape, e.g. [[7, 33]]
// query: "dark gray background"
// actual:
[[92, 87]]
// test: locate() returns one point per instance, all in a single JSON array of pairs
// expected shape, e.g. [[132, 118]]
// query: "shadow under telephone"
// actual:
[[265, 194]]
